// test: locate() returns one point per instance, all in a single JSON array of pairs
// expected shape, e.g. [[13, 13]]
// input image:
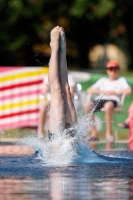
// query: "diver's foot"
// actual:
[[62, 39], [55, 35]]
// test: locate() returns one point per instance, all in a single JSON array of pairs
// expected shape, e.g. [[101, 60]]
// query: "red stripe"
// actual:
[[30, 122], [21, 85], [19, 113], [4, 69]]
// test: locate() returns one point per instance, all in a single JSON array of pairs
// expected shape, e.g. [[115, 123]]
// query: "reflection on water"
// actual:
[[70, 183], [24, 177], [66, 169]]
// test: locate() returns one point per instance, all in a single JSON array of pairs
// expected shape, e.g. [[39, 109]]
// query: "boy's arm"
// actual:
[[127, 91], [94, 91]]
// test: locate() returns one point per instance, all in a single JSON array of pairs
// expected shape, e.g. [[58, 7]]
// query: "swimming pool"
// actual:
[[24, 177], [90, 177]]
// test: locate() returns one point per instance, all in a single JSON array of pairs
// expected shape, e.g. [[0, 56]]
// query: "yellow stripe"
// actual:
[[19, 104], [25, 74]]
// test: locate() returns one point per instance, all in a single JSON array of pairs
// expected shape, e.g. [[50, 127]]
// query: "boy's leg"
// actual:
[[109, 107], [57, 117], [70, 113]]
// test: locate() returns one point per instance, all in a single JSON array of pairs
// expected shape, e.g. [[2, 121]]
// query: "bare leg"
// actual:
[[70, 113], [57, 117], [62, 110], [42, 118], [109, 106]]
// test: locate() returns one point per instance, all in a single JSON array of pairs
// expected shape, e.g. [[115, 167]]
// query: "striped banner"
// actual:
[[20, 88]]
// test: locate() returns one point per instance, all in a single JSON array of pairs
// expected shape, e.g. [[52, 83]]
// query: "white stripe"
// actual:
[[18, 118], [20, 99], [20, 70]]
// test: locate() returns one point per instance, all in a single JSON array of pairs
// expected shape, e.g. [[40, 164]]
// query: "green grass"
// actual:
[[115, 145], [18, 133]]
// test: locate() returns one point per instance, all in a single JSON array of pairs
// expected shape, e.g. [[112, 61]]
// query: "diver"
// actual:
[[62, 111]]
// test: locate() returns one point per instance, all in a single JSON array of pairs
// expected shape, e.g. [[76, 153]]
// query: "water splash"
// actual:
[[64, 150]]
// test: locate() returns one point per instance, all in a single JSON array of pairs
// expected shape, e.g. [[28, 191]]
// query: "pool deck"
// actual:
[[8, 147]]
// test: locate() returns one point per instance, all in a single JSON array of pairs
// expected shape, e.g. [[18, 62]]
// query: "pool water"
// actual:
[[66, 168], [25, 177], [59, 171]]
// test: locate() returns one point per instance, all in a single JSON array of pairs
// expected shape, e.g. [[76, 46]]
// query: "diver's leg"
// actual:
[[57, 122], [70, 114]]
